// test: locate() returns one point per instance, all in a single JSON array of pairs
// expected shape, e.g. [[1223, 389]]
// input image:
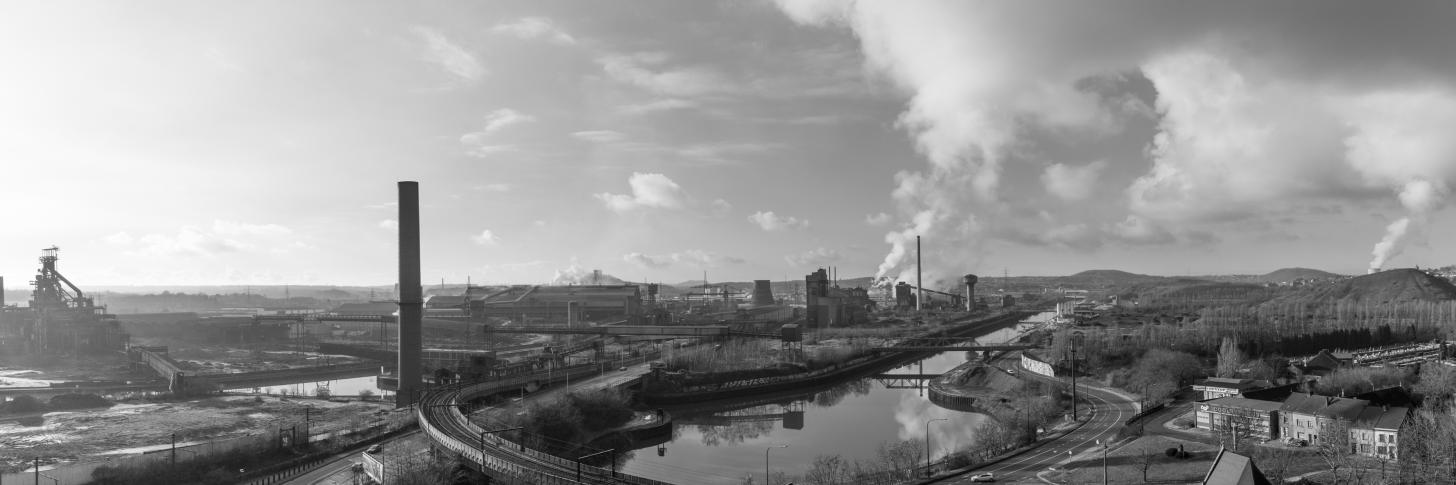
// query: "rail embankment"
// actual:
[[661, 389]]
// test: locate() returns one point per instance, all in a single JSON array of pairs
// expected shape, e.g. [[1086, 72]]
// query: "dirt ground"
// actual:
[[131, 426]]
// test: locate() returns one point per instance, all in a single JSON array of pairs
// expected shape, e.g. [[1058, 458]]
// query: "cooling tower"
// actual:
[[762, 293]]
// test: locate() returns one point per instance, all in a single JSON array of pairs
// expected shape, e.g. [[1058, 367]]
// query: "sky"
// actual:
[[231, 143]]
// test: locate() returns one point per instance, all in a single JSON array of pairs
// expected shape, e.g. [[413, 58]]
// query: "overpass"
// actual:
[[441, 419]]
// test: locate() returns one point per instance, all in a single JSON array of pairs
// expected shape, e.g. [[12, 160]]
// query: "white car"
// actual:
[[983, 477]]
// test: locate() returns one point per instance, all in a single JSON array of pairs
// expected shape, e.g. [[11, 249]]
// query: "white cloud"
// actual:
[[448, 55], [486, 238], [658, 105], [600, 136], [814, 257], [222, 237], [720, 208], [879, 219], [389, 225], [501, 118], [645, 71], [646, 261], [495, 188], [478, 143], [769, 221], [696, 258], [1072, 183], [649, 190], [120, 239], [535, 28]]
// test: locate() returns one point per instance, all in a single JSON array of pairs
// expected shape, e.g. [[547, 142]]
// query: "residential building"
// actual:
[[1320, 420]]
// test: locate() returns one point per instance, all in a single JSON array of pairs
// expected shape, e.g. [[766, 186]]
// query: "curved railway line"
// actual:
[[441, 418]]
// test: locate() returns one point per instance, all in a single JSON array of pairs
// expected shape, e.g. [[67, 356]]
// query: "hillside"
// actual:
[[1285, 275], [1393, 286], [1105, 278]]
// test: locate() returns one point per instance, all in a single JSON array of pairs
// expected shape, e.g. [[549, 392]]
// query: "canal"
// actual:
[[725, 442]]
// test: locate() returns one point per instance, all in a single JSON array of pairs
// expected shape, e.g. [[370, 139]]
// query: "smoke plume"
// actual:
[[1260, 108]]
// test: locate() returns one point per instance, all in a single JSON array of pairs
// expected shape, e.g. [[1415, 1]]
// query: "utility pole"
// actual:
[[174, 453], [1074, 380], [927, 443], [1104, 461]]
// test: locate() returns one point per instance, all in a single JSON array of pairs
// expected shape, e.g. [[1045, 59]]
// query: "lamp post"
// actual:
[[1104, 461], [927, 442], [765, 461]]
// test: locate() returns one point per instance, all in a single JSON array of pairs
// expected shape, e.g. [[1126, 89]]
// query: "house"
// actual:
[[1316, 419], [1231, 468], [1323, 363], [1375, 432], [1248, 418], [1217, 387]]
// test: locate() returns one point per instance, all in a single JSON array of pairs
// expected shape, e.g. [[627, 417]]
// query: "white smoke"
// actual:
[[1260, 108]]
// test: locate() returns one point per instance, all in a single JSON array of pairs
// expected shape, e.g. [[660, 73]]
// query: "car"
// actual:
[[374, 450], [983, 477]]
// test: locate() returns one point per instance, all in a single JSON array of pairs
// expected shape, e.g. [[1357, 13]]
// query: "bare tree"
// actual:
[[1230, 358]]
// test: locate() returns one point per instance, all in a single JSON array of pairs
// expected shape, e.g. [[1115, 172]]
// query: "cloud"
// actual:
[[538, 28], [599, 136], [697, 258], [494, 187], [486, 238], [478, 143], [879, 219], [645, 70], [389, 225], [769, 221], [720, 208], [120, 239], [814, 257], [658, 105], [448, 55], [649, 190], [222, 237], [1072, 183], [646, 261], [1259, 108]]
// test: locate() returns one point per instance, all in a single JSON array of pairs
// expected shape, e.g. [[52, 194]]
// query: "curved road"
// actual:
[[1109, 411]]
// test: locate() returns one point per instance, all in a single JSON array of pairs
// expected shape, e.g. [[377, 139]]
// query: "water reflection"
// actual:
[[718, 443]]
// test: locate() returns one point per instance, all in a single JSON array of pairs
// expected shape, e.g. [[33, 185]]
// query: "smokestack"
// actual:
[[411, 301], [919, 293]]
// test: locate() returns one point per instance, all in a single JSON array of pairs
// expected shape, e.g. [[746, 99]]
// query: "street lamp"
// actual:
[[1104, 461], [927, 442], [765, 461]]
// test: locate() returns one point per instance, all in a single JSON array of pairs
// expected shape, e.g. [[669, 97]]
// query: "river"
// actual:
[[724, 443]]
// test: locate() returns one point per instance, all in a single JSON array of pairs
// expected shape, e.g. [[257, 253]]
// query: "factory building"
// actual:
[[557, 305], [832, 306], [61, 319]]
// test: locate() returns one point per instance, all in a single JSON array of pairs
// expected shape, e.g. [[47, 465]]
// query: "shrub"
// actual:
[[23, 403], [1171, 452]]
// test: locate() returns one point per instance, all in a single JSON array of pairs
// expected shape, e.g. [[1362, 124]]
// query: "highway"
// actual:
[[1109, 412]]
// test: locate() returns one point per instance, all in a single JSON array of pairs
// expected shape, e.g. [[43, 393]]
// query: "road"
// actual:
[[1109, 411]]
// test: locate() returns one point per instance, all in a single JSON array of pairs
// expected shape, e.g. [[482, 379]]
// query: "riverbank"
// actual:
[[853, 368]]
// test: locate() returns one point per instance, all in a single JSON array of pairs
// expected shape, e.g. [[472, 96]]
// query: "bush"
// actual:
[[79, 401], [23, 403], [1171, 452]]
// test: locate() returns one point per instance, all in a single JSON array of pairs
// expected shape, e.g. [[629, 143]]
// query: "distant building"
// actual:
[[558, 304], [1217, 387], [1315, 418]]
